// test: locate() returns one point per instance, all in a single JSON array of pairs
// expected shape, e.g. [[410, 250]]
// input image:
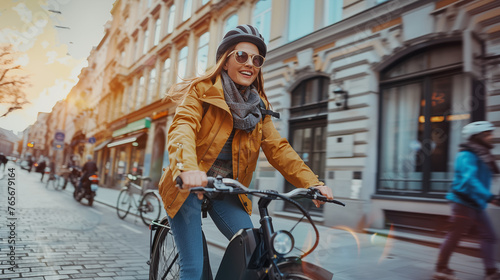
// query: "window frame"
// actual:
[[425, 78]]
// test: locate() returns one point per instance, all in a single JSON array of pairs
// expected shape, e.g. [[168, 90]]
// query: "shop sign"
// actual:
[[160, 114], [131, 127]]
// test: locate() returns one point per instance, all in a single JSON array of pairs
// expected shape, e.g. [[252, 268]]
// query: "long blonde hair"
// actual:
[[178, 91]]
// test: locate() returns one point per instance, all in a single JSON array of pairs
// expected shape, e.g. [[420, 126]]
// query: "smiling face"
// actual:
[[242, 74]]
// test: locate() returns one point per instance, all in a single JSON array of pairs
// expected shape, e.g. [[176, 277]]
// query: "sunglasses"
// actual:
[[242, 58]]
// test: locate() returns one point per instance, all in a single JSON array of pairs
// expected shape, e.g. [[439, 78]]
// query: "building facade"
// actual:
[[372, 94]]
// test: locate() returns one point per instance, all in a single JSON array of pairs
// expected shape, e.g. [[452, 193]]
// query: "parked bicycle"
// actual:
[[55, 182], [147, 202], [258, 253]]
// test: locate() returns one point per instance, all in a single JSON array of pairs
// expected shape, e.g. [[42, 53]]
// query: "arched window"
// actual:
[[307, 126], [230, 23], [425, 101], [262, 18]]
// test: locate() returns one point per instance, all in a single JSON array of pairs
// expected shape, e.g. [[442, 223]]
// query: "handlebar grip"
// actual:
[[178, 180], [210, 183], [336, 202]]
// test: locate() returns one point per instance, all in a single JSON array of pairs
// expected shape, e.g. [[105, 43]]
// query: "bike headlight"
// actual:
[[283, 242]]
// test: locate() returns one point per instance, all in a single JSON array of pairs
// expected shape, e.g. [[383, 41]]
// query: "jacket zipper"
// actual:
[[238, 164]]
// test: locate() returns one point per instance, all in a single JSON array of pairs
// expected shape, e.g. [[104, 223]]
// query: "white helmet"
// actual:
[[476, 128]]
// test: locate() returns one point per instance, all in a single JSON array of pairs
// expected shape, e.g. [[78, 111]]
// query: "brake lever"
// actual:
[[316, 194]]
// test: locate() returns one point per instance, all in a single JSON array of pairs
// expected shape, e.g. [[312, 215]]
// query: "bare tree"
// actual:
[[12, 82]]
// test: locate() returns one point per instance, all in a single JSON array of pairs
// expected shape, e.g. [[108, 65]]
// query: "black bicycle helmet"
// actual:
[[242, 33]]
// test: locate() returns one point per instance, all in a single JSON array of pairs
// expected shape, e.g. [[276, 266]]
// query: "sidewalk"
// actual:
[[353, 255]]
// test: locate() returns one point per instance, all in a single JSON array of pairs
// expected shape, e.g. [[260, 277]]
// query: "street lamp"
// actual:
[[341, 97]]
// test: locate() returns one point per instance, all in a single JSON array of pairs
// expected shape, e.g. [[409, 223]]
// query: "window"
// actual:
[[157, 32], [151, 86], [171, 19], [122, 58], [333, 11], [135, 51], [140, 93], [203, 2], [146, 42], [300, 18], [165, 73], [262, 18], [230, 23], [125, 107], [186, 13], [182, 64], [202, 60], [310, 91], [308, 121], [422, 113]]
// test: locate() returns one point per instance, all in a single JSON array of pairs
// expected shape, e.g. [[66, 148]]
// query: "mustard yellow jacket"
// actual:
[[197, 135]]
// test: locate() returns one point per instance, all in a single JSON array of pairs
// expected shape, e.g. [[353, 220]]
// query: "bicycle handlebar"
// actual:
[[232, 186]]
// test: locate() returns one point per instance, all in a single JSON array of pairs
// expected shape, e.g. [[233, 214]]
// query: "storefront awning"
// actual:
[[125, 140], [102, 145]]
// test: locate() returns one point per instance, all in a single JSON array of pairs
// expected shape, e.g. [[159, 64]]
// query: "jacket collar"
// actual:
[[213, 93]]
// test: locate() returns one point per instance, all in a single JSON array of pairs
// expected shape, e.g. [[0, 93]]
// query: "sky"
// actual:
[[51, 56]]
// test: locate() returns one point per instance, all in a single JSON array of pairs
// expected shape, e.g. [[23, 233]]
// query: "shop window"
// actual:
[[120, 165], [308, 120], [422, 113], [262, 18]]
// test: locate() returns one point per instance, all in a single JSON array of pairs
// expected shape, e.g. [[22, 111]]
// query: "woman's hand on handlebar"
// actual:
[[325, 191], [192, 179]]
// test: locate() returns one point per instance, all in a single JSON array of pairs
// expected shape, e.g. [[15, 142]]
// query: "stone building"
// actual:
[[372, 94]]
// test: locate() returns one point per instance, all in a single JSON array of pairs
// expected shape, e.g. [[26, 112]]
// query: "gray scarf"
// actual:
[[244, 106]]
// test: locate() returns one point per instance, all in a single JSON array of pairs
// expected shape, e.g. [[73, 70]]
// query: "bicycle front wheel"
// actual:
[[165, 258], [123, 203], [59, 183], [150, 208]]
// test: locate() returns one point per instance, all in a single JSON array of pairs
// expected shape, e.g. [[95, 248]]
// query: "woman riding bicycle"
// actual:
[[218, 129]]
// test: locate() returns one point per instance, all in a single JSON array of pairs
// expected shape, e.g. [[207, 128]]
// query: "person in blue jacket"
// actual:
[[469, 195]]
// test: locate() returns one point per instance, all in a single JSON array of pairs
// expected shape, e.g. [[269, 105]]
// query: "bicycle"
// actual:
[[148, 204], [257, 253], [55, 181]]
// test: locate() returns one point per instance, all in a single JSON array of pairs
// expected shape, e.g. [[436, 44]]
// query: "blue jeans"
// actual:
[[462, 219], [229, 217]]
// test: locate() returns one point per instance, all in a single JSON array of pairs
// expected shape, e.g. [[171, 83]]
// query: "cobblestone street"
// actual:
[[58, 238]]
